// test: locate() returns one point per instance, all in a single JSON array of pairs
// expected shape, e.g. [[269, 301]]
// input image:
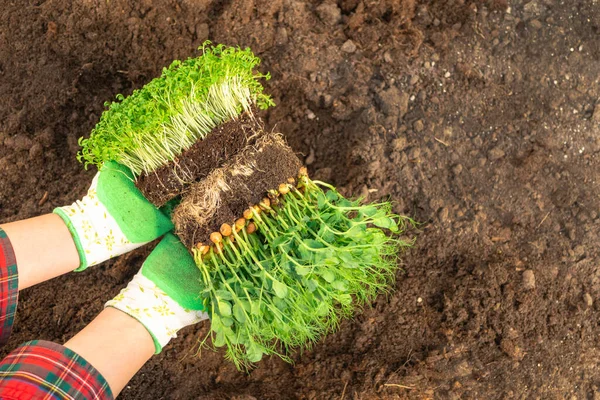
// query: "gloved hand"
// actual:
[[113, 218], [164, 295]]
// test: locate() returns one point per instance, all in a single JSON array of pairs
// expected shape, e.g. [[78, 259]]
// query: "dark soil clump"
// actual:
[[224, 195], [220, 144]]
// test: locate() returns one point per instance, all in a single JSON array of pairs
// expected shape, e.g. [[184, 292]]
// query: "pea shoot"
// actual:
[[297, 269]]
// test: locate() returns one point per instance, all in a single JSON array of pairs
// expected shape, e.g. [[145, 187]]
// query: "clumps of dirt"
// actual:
[[226, 192], [223, 142]]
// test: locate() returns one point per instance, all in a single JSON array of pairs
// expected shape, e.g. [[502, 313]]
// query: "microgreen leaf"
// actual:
[[309, 266], [254, 353], [302, 270], [345, 299], [385, 222], [224, 308], [224, 294], [219, 339], [280, 289], [328, 275], [368, 211], [312, 285], [313, 244], [238, 313], [332, 195]]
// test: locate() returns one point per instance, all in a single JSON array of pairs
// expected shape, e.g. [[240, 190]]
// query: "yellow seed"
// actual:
[[202, 248], [284, 188], [265, 203], [225, 229], [216, 237], [303, 172], [248, 213], [251, 228], [291, 181], [240, 223], [256, 209]]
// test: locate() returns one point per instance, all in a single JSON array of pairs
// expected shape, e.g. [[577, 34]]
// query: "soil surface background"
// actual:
[[480, 119]]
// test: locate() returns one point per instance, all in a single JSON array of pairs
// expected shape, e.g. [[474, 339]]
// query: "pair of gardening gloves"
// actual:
[[114, 218]]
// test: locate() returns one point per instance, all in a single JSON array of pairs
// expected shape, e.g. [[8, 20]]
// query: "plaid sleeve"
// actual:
[[47, 370], [9, 287]]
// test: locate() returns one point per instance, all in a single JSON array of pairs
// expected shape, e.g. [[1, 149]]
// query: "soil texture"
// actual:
[[222, 143], [226, 192], [478, 118]]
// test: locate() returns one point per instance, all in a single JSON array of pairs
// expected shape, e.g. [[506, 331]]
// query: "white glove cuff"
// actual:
[[153, 308], [96, 234]]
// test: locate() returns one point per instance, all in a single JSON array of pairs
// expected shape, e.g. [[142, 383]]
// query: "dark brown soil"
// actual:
[[271, 161], [223, 142], [479, 118]]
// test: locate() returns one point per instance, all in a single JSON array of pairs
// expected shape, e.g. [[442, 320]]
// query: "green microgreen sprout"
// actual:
[[156, 123], [312, 258]]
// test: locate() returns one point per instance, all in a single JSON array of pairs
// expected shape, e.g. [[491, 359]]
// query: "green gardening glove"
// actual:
[[113, 218], [164, 295]]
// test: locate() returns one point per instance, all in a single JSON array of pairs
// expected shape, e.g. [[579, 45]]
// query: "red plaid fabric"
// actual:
[[44, 370], [39, 369], [9, 287]]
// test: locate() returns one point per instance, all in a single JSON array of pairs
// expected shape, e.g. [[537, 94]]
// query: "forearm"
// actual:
[[43, 247], [116, 344]]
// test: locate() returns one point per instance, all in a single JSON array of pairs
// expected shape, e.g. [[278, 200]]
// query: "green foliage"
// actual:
[[315, 258], [156, 123]]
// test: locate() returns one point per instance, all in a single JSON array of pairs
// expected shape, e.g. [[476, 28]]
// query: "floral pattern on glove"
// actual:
[[162, 316], [99, 235]]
